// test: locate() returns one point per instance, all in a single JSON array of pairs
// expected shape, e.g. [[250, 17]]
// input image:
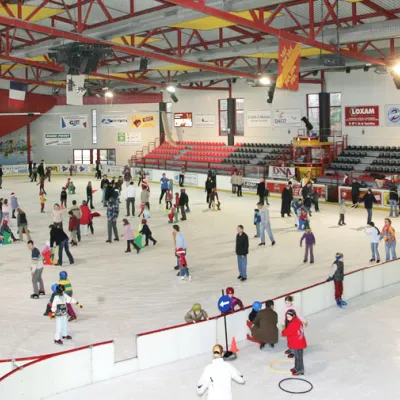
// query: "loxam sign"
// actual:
[[362, 116]]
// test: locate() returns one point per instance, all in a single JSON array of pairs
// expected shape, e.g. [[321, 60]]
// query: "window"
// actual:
[[335, 110], [90, 156], [223, 117], [94, 126]]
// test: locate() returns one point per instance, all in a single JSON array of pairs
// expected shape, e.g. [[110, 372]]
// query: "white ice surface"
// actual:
[[124, 294], [352, 354]]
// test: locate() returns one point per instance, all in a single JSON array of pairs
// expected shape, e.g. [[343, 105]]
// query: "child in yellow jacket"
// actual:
[[42, 199]]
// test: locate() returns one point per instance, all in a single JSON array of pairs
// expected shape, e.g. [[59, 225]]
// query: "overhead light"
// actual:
[[264, 80], [171, 89], [396, 69], [109, 94]]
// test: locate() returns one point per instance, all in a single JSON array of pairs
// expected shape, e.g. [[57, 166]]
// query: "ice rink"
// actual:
[[352, 355], [124, 294]]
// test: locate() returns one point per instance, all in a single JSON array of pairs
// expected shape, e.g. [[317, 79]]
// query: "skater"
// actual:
[[309, 238], [214, 177], [34, 173], [234, 182], [261, 190], [230, 291], [145, 196], [389, 236], [164, 186], [103, 186], [71, 188], [239, 183], [73, 228], [76, 210], [214, 199], [36, 271], [168, 199], [98, 170], [173, 215], [5, 211], [41, 184], [355, 192], [86, 219], [304, 222], [265, 225], [196, 314], [89, 195], [5, 228], [337, 275], [179, 242], [182, 176], [48, 174], [257, 222], [342, 212], [368, 200], [294, 332], [30, 164], [14, 204], [242, 249], [63, 198], [40, 170], [112, 216], [59, 237], [53, 294], [68, 290], [265, 328], [287, 198], [289, 300], [130, 196], [1, 176], [142, 175], [315, 200], [59, 311], [22, 224], [183, 202], [375, 235], [217, 377], [296, 207], [147, 233], [267, 192], [42, 199], [394, 201], [127, 175], [208, 189], [129, 237], [183, 266], [58, 216]]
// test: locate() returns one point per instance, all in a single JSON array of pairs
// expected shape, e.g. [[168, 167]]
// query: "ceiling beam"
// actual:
[[37, 64], [280, 33], [373, 6]]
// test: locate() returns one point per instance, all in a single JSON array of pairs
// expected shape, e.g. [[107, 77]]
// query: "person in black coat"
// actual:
[[40, 169], [59, 237], [30, 168], [368, 200], [261, 190], [208, 188], [287, 198], [242, 249], [89, 195], [147, 232], [307, 191], [355, 192], [183, 202]]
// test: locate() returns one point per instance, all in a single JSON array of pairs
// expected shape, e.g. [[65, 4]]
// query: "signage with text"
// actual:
[[183, 119], [362, 116]]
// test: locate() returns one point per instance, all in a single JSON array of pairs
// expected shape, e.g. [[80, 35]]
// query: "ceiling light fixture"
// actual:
[[109, 94], [264, 80], [171, 89]]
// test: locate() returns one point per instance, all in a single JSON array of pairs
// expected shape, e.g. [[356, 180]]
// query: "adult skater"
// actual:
[[389, 236], [30, 164], [183, 202], [208, 188], [142, 175], [217, 377], [375, 235], [287, 198], [98, 169], [145, 195], [36, 271], [112, 216], [59, 237], [22, 224], [1, 176], [261, 190], [182, 176], [130, 195], [239, 183], [127, 175], [265, 328], [355, 192], [368, 200], [265, 224], [103, 186], [179, 242], [76, 210], [89, 195], [394, 201], [164, 186], [40, 170], [242, 249]]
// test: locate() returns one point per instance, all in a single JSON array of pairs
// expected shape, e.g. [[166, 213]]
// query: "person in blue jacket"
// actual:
[[164, 186]]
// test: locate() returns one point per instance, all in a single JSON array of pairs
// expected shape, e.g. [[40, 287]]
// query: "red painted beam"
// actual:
[[50, 67], [17, 23], [373, 6], [203, 8]]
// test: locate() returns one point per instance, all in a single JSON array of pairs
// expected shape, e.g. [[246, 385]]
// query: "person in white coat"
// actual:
[[265, 225], [218, 376], [373, 232]]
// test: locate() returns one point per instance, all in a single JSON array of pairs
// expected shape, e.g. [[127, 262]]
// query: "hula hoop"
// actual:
[[271, 366], [296, 379]]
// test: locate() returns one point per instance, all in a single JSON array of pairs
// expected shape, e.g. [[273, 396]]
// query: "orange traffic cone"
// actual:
[[234, 348]]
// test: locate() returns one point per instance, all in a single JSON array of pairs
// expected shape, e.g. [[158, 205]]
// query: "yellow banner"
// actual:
[[140, 121]]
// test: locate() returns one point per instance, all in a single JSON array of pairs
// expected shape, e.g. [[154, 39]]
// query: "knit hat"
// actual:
[[144, 221], [5, 222], [180, 251]]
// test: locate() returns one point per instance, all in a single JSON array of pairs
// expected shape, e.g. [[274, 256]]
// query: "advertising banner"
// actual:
[[362, 116], [259, 119], [205, 120], [392, 115], [129, 139], [114, 121], [183, 119], [15, 169], [287, 118], [190, 179], [288, 65], [140, 121], [345, 194], [149, 174], [74, 122], [57, 139], [112, 170], [281, 172]]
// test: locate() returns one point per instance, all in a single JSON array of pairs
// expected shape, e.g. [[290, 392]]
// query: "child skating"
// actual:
[[337, 276], [230, 291], [183, 267], [309, 238], [257, 222], [42, 199], [41, 184], [59, 311], [5, 211], [129, 237], [63, 198], [147, 233], [14, 204], [375, 235], [68, 290], [73, 228], [168, 199]]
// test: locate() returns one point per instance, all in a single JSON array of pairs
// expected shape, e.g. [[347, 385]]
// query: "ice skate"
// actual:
[[287, 351], [67, 337], [59, 341], [295, 373], [339, 303], [34, 296], [344, 303], [41, 293]]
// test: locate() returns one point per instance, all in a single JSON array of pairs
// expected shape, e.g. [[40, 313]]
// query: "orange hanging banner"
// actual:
[[289, 65]]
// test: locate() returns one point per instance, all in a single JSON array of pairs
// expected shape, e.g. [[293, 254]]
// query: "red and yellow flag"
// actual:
[[289, 65]]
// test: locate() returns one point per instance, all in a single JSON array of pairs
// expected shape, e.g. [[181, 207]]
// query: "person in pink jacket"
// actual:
[[129, 237]]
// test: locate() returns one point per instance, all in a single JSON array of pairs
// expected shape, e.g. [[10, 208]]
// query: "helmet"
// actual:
[[54, 287], [60, 290], [63, 275], [144, 221], [257, 306], [230, 290], [196, 307]]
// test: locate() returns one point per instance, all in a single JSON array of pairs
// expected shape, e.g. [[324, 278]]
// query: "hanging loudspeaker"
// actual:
[[143, 64], [307, 123], [271, 93]]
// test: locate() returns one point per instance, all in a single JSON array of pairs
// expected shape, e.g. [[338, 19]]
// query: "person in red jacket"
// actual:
[[86, 218], [294, 332]]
